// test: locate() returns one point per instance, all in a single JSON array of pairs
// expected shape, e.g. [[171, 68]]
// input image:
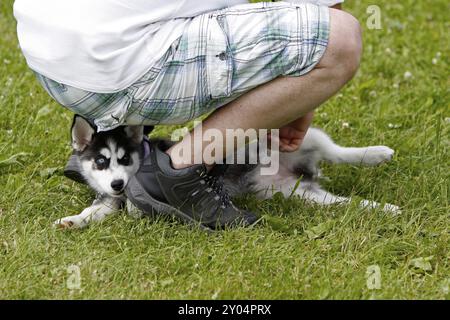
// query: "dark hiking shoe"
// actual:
[[73, 170], [191, 194]]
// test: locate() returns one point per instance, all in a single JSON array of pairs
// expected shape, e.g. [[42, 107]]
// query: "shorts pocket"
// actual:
[[219, 64], [112, 111]]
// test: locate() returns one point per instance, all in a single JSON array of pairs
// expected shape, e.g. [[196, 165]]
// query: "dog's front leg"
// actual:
[[99, 210]]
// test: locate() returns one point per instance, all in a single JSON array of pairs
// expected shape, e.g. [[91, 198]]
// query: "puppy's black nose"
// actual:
[[117, 185]]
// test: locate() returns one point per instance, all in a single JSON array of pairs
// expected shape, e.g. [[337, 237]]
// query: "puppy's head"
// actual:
[[108, 159]]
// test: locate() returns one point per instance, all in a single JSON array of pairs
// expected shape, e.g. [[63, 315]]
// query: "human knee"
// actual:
[[345, 44], [353, 45]]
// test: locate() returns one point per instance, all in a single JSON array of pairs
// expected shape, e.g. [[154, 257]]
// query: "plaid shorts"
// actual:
[[220, 56]]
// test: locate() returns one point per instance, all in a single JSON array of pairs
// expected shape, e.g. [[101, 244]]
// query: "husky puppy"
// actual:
[[304, 164], [109, 159]]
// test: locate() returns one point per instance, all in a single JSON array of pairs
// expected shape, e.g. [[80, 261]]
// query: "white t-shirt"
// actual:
[[104, 45]]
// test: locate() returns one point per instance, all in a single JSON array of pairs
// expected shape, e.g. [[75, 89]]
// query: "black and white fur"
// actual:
[[302, 164], [108, 160]]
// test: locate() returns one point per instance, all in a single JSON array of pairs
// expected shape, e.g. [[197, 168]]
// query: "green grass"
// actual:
[[127, 258]]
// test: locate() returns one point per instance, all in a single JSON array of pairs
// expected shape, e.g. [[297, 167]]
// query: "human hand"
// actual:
[[291, 135]]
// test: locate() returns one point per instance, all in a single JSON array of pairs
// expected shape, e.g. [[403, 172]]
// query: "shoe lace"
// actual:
[[215, 184]]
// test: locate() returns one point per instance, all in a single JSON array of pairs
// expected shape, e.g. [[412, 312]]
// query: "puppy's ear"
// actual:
[[82, 133], [135, 133]]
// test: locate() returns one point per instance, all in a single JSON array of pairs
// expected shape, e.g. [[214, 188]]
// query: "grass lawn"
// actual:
[[399, 98]]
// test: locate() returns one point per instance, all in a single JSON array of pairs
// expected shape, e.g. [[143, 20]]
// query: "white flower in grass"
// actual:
[[396, 85], [408, 75], [434, 61], [388, 51], [438, 54], [447, 120], [6, 61], [345, 125], [9, 81], [394, 126]]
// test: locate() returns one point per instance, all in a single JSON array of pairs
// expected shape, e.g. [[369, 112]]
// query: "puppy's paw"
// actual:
[[377, 155], [71, 222]]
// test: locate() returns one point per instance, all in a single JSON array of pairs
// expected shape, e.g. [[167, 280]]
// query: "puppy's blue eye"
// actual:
[[101, 162]]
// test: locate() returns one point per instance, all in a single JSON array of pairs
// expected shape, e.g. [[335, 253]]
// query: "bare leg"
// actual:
[[285, 99]]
